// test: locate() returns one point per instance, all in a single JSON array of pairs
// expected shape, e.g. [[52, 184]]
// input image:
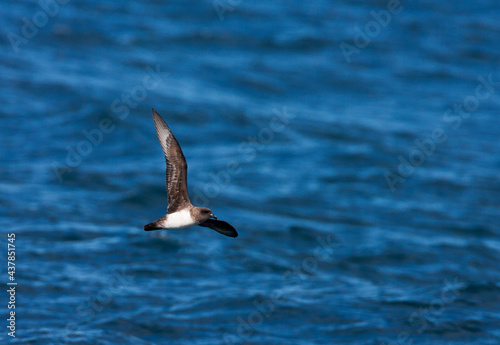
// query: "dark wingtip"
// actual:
[[228, 233], [221, 227]]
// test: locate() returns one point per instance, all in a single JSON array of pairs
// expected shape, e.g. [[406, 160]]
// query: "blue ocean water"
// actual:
[[354, 145]]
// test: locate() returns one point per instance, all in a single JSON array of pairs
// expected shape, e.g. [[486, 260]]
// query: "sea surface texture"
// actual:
[[354, 145]]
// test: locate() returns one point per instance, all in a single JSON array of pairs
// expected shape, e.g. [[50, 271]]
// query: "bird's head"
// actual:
[[202, 213]]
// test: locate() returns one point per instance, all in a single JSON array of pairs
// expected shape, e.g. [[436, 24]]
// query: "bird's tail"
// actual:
[[152, 226]]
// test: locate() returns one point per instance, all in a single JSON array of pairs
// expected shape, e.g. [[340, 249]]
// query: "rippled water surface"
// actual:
[[361, 169]]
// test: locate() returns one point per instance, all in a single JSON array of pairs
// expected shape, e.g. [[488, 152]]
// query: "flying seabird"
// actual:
[[180, 212]]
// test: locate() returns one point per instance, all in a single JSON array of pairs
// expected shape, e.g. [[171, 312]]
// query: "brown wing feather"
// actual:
[[220, 226], [176, 175]]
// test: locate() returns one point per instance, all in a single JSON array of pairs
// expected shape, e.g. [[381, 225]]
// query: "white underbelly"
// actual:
[[179, 220]]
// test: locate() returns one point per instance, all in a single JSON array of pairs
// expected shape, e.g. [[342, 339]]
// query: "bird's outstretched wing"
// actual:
[[178, 197], [220, 226]]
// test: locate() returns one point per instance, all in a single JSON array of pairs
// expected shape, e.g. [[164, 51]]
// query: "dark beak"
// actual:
[[213, 216]]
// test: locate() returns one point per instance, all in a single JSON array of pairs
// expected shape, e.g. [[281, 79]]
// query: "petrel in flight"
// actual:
[[180, 212]]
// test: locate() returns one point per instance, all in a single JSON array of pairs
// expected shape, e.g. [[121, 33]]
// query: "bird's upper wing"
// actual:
[[220, 226], [178, 197]]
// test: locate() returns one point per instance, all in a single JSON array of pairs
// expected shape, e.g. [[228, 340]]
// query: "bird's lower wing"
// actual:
[[220, 226]]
